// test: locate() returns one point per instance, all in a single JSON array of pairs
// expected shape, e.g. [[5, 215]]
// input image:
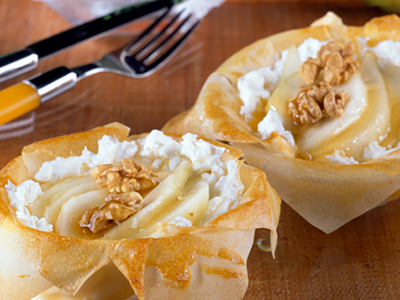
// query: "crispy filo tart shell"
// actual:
[[207, 262], [326, 195]]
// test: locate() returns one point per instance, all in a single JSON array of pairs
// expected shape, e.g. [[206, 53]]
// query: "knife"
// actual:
[[22, 61]]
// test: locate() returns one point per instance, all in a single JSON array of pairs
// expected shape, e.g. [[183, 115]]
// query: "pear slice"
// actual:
[[316, 135], [71, 212], [40, 206], [192, 205], [62, 197], [286, 89], [391, 75], [372, 125], [158, 203], [292, 65], [283, 94], [194, 202]]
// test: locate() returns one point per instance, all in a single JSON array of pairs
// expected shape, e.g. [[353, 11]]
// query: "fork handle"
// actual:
[[53, 83], [29, 94]]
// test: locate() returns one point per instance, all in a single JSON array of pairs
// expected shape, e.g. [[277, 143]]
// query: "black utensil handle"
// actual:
[[17, 63]]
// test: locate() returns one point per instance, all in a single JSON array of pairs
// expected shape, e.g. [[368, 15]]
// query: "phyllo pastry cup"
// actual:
[[100, 215], [317, 109]]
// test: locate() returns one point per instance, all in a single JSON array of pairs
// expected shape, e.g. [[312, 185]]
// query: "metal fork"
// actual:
[[133, 60]]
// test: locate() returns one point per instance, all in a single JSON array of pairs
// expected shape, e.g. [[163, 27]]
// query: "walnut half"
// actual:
[[123, 182], [117, 208], [313, 102], [121, 179], [336, 61], [305, 110]]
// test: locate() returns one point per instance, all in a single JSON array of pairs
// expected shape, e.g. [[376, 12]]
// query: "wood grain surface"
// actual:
[[359, 261]]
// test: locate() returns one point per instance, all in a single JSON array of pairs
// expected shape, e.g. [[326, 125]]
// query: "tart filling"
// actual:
[[330, 102], [127, 187]]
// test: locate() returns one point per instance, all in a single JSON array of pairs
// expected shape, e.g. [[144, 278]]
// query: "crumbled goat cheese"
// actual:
[[225, 187], [21, 198], [310, 48], [61, 167], [280, 62], [202, 154], [339, 157], [223, 177], [158, 146], [254, 86], [386, 51], [110, 151], [273, 122], [259, 84], [181, 221], [373, 150]]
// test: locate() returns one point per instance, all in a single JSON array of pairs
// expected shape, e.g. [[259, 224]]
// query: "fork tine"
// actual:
[[163, 58], [153, 40], [121, 61], [159, 47], [145, 33]]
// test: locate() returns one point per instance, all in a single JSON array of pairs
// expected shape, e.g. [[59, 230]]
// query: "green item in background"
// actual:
[[386, 5]]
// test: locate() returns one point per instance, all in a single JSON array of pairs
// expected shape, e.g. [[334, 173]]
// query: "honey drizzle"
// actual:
[[394, 133]]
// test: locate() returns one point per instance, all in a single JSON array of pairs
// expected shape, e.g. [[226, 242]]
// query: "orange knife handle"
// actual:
[[28, 95], [17, 100]]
